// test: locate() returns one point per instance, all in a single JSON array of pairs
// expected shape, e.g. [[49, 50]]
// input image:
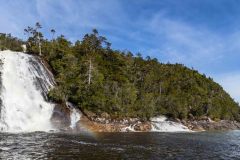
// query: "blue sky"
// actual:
[[203, 34]]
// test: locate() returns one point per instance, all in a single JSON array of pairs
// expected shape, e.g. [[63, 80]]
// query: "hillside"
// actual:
[[99, 79]]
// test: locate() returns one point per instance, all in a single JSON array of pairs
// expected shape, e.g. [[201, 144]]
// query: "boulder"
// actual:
[[143, 126]]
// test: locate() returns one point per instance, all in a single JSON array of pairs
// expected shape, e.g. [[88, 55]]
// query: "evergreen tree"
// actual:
[[95, 77]]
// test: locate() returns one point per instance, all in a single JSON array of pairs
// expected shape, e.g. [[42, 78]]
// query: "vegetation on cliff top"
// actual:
[[7, 41], [95, 77]]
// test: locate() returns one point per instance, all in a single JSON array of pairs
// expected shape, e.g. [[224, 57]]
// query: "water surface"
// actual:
[[41, 145]]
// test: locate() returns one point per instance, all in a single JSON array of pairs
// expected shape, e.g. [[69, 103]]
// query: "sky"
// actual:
[[201, 34]]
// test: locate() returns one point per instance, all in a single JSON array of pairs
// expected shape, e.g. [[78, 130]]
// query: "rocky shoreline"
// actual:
[[113, 126], [103, 124], [209, 125], [91, 122]]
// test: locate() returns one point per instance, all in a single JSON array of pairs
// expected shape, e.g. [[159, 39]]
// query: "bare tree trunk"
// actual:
[[39, 45], [53, 36], [90, 71]]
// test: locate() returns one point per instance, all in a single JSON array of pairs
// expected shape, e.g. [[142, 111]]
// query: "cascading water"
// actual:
[[160, 124], [24, 86], [75, 115]]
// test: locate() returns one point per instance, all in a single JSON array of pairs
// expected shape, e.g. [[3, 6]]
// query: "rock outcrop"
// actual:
[[209, 125]]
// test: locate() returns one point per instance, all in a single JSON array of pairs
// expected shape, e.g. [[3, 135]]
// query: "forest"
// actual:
[[97, 78]]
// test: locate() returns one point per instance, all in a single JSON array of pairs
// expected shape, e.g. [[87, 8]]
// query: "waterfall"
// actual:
[[75, 115], [161, 124], [24, 86]]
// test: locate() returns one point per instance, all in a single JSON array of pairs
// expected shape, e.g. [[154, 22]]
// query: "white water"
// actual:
[[160, 124], [75, 115], [24, 84]]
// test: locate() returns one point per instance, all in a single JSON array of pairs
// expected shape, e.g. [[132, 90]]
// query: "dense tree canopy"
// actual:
[[97, 78], [9, 42]]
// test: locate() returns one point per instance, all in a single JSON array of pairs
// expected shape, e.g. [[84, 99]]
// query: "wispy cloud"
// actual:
[[210, 52], [178, 41], [138, 26], [15, 16], [80, 16]]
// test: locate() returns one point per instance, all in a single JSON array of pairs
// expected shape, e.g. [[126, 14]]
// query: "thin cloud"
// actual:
[[84, 14], [230, 82], [183, 42], [154, 33]]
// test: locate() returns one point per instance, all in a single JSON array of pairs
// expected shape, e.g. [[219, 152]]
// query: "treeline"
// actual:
[[7, 41], [97, 78]]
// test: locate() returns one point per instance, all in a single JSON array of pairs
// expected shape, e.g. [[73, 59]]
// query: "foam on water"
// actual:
[[24, 86]]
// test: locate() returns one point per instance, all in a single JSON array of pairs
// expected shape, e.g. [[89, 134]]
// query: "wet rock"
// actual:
[[86, 124], [208, 124], [61, 116], [143, 126]]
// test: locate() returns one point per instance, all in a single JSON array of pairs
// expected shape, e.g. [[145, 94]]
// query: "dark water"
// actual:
[[39, 145]]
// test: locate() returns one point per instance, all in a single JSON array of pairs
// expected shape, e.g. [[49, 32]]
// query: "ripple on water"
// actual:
[[207, 145]]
